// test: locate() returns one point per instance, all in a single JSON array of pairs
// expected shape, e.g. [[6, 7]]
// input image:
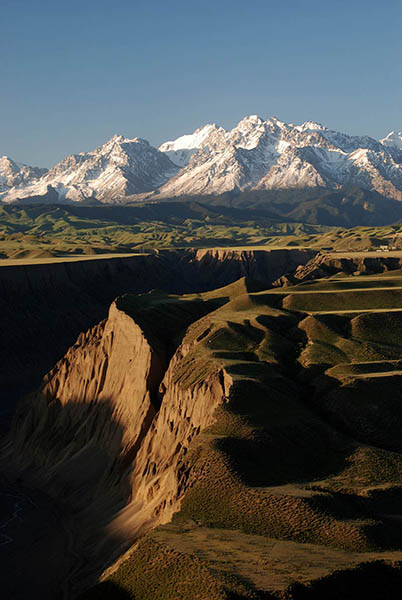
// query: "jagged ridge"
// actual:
[[256, 154]]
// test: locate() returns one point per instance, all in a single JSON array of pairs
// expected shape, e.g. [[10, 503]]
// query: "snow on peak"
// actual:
[[393, 139], [181, 150], [311, 126], [276, 121], [117, 140], [13, 173], [189, 141], [254, 154], [250, 120], [111, 172], [251, 123]]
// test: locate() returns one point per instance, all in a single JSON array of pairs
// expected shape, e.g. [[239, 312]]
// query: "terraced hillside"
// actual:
[[295, 490], [263, 460]]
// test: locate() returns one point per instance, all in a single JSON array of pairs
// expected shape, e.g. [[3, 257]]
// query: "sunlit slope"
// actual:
[[300, 476], [43, 231], [340, 293]]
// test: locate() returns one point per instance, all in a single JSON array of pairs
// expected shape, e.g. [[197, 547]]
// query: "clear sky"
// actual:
[[73, 73]]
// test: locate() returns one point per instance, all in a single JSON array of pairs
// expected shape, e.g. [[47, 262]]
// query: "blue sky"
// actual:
[[74, 73]]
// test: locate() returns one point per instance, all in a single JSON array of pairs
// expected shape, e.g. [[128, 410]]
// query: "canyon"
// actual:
[[240, 398], [46, 306]]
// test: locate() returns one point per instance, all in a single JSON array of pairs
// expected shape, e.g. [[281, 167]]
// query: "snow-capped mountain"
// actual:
[[120, 168], [259, 154], [393, 140], [181, 150], [256, 154], [17, 174]]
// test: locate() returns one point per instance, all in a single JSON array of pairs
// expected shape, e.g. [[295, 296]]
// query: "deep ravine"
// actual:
[[104, 439]]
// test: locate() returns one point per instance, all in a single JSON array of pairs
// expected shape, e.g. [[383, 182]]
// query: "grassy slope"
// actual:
[[304, 457], [46, 231], [40, 231]]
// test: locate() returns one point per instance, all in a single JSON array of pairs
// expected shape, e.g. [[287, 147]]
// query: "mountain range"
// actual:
[[257, 154]]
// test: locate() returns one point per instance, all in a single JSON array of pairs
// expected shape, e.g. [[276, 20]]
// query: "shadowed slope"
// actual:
[[285, 460], [46, 306], [83, 437]]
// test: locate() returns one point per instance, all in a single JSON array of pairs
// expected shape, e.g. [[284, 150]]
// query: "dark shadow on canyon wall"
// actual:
[[369, 581], [108, 590], [64, 477], [45, 307]]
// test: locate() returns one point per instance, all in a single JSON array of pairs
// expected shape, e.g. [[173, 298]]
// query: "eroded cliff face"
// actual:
[[160, 474], [107, 433], [46, 306], [116, 435], [219, 267], [92, 409]]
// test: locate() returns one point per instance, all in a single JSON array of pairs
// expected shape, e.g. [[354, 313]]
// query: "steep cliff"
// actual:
[[46, 306], [106, 434], [216, 410], [92, 409]]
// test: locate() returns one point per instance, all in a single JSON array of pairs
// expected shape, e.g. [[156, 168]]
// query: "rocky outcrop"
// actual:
[[107, 433], [46, 306], [97, 402], [258, 266], [159, 476]]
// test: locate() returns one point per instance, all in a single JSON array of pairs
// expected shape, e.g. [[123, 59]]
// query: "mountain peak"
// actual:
[[311, 126], [181, 149], [15, 174], [255, 154], [277, 122], [255, 119], [118, 141], [393, 139], [136, 140], [190, 141]]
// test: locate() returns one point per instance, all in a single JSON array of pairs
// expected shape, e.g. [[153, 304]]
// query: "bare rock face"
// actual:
[[107, 433], [46, 306], [106, 380], [159, 476]]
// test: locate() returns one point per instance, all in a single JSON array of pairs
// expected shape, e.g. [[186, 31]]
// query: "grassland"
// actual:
[[299, 478], [42, 232]]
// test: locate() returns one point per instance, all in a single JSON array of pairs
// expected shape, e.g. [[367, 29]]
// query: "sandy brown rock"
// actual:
[[92, 410], [45, 307], [106, 438]]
